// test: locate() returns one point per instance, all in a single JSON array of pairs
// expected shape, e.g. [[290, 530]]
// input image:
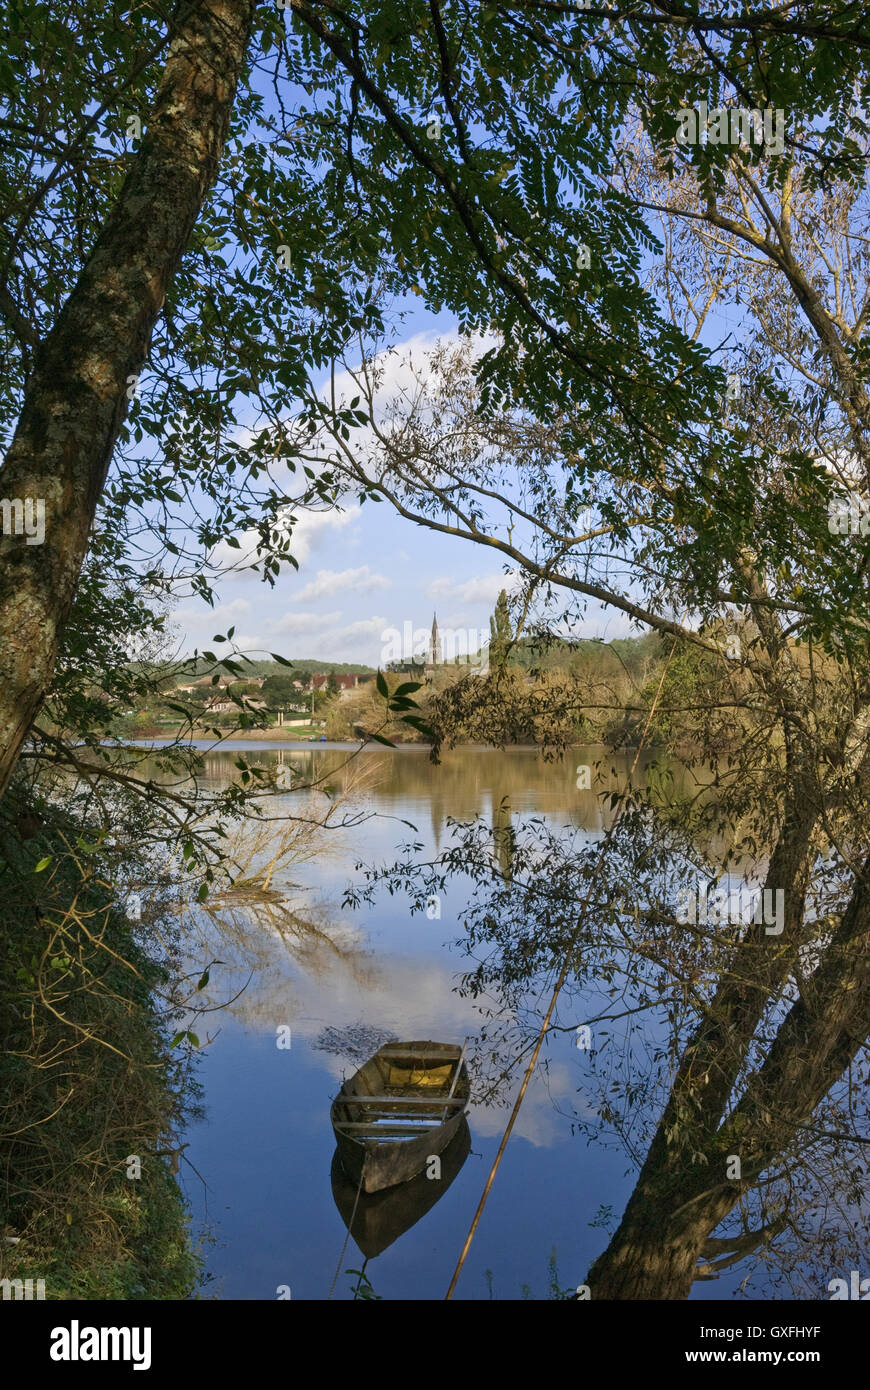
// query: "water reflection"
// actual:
[[295, 957], [376, 1221], [467, 782], [503, 837]]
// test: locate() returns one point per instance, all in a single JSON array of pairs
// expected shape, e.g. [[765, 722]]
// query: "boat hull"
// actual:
[[378, 1219], [431, 1070]]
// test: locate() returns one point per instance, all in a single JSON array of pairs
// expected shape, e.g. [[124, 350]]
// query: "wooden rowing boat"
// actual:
[[377, 1219], [400, 1109]]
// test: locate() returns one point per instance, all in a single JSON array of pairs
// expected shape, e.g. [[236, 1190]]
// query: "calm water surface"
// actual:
[[264, 1199]]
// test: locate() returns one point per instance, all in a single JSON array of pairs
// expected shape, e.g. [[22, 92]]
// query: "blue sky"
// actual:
[[362, 571], [365, 570]]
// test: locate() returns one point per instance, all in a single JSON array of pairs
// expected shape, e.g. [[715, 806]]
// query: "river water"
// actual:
[[329, 981]]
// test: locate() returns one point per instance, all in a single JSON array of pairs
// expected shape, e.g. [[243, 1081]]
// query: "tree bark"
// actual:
[[77, 395], [679, 1200]]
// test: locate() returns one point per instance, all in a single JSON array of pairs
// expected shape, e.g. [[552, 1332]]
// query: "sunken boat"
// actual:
[[400, 1109]]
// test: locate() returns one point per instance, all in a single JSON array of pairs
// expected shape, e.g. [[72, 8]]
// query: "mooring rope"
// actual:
[[563, 975], [349, 1229]]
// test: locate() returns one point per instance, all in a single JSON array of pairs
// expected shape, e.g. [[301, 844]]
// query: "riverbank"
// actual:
[[277, 733], [91, 1095]]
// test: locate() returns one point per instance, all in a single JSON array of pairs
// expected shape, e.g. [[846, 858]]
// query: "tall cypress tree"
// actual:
[[500, 632]]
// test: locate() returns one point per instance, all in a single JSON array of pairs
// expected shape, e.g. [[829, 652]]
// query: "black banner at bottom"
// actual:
[[84, 1340]]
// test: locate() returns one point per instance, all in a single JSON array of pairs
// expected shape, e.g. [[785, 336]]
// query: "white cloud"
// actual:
[[361, 581], [217, 619], [403, 369], [484, 589], [200, 625], [312, 529], [251, 643], [362, 639], [459, 619], [309, 532], [304, 622], [325, 637]]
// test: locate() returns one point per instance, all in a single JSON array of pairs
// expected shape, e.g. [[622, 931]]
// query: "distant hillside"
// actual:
[[304, 666], [310, 665]]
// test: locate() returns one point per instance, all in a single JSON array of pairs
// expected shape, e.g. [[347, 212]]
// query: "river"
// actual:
[[317, 975]]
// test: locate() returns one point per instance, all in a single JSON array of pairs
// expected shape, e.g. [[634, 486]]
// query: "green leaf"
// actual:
[[381, 682], [379, 738], [43, 864]]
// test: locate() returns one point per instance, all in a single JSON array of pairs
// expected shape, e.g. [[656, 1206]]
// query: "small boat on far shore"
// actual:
[[400, 1109]]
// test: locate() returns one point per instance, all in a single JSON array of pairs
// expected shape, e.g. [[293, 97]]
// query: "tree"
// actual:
[[500, 631], [77, 393], [737, 558], [211, 266], [534, 147], [280, 693]]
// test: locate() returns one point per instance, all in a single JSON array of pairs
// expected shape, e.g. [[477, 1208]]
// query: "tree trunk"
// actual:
[[678, 1201], [76, 397]]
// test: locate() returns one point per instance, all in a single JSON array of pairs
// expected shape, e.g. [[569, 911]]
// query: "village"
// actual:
[[312, 698]]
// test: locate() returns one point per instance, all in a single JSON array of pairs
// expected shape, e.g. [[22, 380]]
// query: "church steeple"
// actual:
[[434, 643]]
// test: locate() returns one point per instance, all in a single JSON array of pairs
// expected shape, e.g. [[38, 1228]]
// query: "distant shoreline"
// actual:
[[297, 745], [300, 745]]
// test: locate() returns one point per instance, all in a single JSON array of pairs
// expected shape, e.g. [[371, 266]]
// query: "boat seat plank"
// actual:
[[427, 1120], [422, 1054], [412, 1111], [381, 1131], [399, 1117], [434, 1102]]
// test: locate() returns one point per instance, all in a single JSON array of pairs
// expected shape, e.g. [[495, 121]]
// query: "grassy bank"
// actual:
[[88, 1084]]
